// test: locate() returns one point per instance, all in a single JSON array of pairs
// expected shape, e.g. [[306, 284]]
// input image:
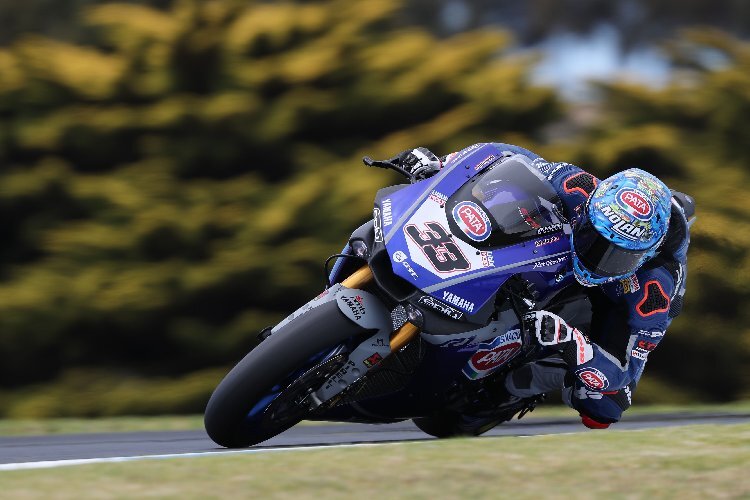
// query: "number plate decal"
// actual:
[[431, 245]]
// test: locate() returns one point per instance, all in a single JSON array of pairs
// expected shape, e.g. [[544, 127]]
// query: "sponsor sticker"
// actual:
[[377, 225], [355, 303], [549, 229], [438, 197], [630, 284], [593, 378], [472, 220], [546, 241], [654, 334], [373, 360], [401, 258], [486, 162], [433, 303], [458, 301], [494, 354], [379, 342], [550, 262], [639, 353], [460, 155], [623, 227], [488, 259], [635, 203], [646, 345], [339, 376], [461, 344], [387, 212]]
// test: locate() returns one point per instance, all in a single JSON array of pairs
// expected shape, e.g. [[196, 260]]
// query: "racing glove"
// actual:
[[552, 331], [420, 162]]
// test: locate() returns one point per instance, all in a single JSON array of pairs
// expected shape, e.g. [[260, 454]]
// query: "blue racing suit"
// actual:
[[629, 317]]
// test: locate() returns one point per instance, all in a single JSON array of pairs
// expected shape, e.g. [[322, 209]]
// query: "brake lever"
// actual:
[[387, 164], [373, 163]]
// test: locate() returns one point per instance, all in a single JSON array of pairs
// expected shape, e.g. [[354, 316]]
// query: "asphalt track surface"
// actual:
[[56, 450]]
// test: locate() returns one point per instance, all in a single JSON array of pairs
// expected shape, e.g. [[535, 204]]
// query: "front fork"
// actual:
[[369, 313], [361, 278]]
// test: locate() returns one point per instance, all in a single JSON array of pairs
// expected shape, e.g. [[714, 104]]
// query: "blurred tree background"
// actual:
[[173, 175]]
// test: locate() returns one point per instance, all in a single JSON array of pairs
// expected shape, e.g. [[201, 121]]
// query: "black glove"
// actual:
[[420, 162], [553, 331]]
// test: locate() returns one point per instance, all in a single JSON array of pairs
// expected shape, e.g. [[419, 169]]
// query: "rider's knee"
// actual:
[[598, 410]]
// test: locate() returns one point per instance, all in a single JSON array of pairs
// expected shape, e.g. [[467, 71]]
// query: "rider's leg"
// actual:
[[544, 375], [598, 409]]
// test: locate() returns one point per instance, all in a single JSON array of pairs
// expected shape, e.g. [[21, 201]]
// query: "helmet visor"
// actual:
[[602, 257]]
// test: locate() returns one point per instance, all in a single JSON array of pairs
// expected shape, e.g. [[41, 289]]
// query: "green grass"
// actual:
[[702, 461], [10, 427]]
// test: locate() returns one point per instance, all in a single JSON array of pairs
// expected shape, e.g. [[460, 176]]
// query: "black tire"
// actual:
[[442, 424], [449, 423], [277, 357]]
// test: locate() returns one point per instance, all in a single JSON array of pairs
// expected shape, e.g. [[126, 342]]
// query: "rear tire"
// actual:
[[449, 423], [443, 424], [269, 364]]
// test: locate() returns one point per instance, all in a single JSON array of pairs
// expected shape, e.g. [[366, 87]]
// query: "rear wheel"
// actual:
[[266, 392], [442, 424], [450, 423]]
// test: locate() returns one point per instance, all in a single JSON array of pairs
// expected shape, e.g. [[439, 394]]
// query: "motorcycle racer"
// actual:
[[629, 241]]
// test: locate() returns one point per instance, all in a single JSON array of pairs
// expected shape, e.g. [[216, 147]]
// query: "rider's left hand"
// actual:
[[420, 162]]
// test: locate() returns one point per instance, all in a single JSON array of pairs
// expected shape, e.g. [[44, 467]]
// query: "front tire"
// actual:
[[250, 386]]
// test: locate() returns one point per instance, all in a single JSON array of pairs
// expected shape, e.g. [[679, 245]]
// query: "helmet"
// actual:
[[621, 226]]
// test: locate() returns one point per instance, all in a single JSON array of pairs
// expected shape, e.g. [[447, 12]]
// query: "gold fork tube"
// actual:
[[403, 336], [359, 278]]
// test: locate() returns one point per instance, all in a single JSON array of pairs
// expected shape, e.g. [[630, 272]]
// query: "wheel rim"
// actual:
[[292, 404]]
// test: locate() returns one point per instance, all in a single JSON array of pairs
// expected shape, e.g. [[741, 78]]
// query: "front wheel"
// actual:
[[265, 393]]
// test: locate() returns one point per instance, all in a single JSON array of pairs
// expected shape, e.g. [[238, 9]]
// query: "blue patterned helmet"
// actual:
[[621, 226]]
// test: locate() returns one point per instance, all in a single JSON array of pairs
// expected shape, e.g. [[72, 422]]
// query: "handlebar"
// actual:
[[388, 164]]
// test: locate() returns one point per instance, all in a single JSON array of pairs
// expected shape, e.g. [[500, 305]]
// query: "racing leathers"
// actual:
[[601, 360]]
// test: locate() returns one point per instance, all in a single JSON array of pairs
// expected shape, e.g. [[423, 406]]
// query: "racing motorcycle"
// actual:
[[421, 318]]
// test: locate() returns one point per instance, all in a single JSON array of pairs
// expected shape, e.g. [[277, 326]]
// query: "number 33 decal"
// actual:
[[438, 247]]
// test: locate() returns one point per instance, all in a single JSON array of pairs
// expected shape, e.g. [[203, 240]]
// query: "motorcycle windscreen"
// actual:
[[508, 203]]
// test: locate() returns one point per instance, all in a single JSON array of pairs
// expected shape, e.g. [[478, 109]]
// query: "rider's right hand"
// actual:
[[552, 331], [549, 328], [420, 162]]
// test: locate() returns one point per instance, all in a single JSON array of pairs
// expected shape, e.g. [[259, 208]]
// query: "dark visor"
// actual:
[[602, 257]]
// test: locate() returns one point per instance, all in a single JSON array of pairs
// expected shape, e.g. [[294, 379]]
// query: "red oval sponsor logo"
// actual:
[[472, 220], [635, 203], [593, 378], [486, 360]]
